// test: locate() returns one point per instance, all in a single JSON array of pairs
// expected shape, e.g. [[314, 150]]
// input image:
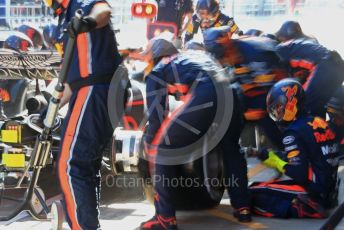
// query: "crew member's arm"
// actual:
[[98, 17], [292, 66], [234, 27], [101, 12], [296, 165]]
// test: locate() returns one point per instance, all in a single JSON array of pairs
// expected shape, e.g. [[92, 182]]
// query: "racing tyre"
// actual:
[[203, 183]]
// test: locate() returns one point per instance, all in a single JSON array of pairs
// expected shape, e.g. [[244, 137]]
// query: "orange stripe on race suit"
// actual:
[[82, 44], [254, 114], [306, 65], [262, 212], [153, 147], [308, 80], [271, 184], [65, 155], [302, 64], [310, 173], [242, 70], [180, 88], [134, 103], [166, 123], [65, 3]]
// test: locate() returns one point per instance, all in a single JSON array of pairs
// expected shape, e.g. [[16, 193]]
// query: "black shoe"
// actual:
[[243, 214], [160, 223]]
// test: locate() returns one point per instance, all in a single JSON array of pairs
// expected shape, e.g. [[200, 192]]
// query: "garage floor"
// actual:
[[126, 208]]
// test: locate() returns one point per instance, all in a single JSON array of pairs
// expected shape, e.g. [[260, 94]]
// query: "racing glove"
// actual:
[[86, 25], [272, 160]]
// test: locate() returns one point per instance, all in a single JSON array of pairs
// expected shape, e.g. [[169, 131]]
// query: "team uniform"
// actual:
[[222, 20], [87, 128], [319, 69], [312, 154], [177, 77], [256, 69]]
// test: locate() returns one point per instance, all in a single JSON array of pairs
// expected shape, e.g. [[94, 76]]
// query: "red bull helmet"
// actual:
[[34, 34], [285, 101], [18, 41]]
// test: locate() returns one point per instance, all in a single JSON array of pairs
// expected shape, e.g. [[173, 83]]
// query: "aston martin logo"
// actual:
[[34, 64]]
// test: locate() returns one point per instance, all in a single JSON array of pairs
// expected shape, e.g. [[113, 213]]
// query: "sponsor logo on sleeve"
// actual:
[[288, 140], [293, 154], [290, 148]]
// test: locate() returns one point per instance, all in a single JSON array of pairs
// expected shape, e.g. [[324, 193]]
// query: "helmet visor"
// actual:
[[277, 109]]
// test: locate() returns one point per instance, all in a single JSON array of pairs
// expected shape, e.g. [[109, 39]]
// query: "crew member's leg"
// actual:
[[87, 130], [185, 126], [284, 199], [235, 166]]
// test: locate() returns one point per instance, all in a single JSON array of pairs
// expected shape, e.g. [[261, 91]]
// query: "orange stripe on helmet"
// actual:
[[82, 44], [65, 155]]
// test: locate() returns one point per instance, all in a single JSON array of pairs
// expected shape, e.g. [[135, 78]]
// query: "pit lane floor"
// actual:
[[125, 208]]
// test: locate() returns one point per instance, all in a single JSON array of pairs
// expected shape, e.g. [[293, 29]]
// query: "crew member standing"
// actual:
[[319, 69], [208, 15], [87, 127], [256, 68]]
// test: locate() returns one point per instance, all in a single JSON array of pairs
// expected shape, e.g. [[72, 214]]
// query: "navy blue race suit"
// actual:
[[256, 70], [186, 76], [319, 69], [87, 128], [222, 20], [312, 152]]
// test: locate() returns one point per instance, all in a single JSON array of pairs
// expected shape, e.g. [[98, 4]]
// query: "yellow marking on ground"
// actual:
[[223, 215], [229, 217], [255, 170]]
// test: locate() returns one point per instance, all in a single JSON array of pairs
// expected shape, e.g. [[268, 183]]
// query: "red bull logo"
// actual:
[[322, 137], [318, 123]]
